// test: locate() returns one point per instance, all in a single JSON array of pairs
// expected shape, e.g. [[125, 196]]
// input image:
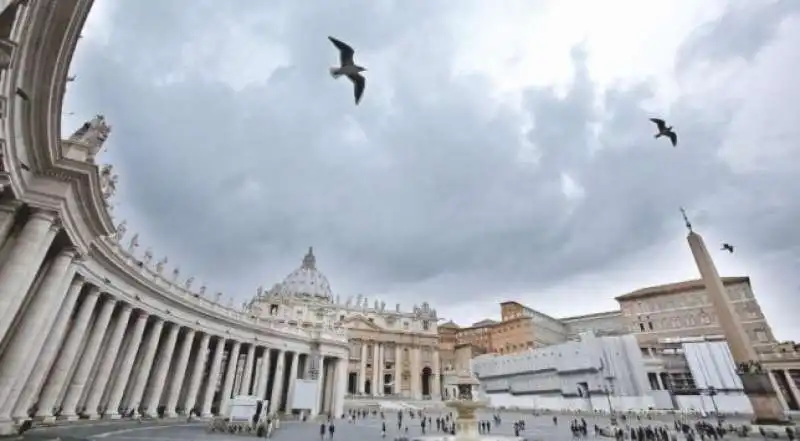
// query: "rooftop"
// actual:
[[673, 288]]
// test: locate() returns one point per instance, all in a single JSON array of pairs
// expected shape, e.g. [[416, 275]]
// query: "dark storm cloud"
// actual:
[[741, 32], [422, 180]]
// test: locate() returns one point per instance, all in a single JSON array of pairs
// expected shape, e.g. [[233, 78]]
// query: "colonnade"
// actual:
[[422, 382], [785, 383], [70, 348]]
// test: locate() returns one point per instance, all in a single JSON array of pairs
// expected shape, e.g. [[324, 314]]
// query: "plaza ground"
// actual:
[[537, 428]]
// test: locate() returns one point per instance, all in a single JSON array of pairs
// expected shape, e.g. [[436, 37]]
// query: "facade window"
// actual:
[[641, 327], [426, 325], [650, 325]]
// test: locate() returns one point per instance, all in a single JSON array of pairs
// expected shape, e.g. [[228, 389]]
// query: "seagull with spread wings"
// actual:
[[664, 130], [727, 247], [349, 68]]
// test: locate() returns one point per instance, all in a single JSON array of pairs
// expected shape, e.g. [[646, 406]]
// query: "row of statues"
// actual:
[[93, 135]]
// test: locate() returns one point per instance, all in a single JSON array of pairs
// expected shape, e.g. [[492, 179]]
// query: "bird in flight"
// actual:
[[663, 130], [349, 68], [727, 247]]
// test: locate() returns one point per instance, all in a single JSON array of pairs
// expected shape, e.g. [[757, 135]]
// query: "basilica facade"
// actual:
[[392, 353]]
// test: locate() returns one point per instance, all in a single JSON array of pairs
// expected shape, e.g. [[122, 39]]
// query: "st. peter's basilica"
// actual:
[[393, 353]]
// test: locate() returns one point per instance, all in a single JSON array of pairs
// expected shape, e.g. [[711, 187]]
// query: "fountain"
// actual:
[[466, 404]]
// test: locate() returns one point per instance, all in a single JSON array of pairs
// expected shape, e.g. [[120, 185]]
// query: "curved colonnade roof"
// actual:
[[44, 171]]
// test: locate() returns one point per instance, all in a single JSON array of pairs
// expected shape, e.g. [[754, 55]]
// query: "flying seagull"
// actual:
[[727, 247], [349, 68], [663, 130]]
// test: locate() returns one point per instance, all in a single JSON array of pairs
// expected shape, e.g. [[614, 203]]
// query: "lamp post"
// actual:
[[712, 392], [609, 389]]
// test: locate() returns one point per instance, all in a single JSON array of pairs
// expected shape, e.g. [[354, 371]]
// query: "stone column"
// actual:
[[192, 400], [230, 375], [247, 375], [277, 385], [780, 396], [398, 370], [19, 270], [381, 364], [21, 351], [107, 362], [146, 365], [84, 369], [213, 377], [57, 379], [8, 215], [416, 371], [318, 401], [341, 387], [263, 380], [793, 389], [292, 380], [436, 385], [175, 385], [123, 377], [52, 344], [375, 364], [362, 372], [330, 386], [766, 407], [161, 370]]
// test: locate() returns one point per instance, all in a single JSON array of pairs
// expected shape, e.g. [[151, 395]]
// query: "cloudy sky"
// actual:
[[501, 151]]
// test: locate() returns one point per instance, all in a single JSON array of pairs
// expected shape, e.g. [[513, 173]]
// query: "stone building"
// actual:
[[392, 353], [683, 310]]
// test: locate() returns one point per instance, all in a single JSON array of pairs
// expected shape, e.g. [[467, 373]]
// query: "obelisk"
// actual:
[[766, 407]]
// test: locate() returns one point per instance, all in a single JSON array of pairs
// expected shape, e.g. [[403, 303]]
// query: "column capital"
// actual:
[[10, 206], [69, 251], [126, 307], [43, 214], [93, 291]]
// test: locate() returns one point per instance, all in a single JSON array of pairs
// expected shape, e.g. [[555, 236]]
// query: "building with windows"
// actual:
[[684, 356], [392, 353]]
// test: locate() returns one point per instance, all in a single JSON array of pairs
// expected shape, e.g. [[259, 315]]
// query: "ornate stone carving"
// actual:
[[160, 264], [148, 256], [217, 297], [108, 181], [202, 289], [349, 301], [93, 134], [134, 243], [120, 231], [175, 273], [188, 283], [382, 307], [375, 306], [358, 300]]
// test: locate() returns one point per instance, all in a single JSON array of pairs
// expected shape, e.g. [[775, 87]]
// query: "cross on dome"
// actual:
[[309, 261]]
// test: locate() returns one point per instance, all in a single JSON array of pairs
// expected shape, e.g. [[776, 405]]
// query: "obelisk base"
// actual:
[[767, 410]]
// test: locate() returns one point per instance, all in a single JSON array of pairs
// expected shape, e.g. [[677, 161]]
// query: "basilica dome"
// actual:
[[306, 282]]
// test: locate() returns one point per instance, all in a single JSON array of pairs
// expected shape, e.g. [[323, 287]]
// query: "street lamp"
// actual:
[[608, 388], [711, 391]]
